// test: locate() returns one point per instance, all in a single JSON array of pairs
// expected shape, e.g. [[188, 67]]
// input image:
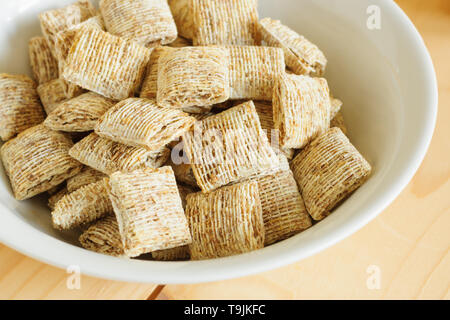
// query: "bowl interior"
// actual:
[[384, 77]]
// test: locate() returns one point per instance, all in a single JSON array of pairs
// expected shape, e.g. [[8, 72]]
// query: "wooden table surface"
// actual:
[[402, 254]]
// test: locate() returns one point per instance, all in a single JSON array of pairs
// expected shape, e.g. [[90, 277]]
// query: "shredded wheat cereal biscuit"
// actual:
[[149, 211], [106, 64], [43, 65], [253, 71], [64, 39], [228, 147], [327, 171], [108, 156], [150, 85], [20, 108], [86, 176], [301, 107], [85, 205], [79, 114], [283, 209], [193, 76], [265, 113], [182, 14], [103, 237], [38, 160], [55, 21], [56, 197], [54, 92], [142, 123], [225, 22], [338, 121], [174, 254], [147, 22], [225, 222], [302, 56]]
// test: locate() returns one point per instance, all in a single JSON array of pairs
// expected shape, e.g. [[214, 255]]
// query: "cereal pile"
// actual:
[[184, 129]]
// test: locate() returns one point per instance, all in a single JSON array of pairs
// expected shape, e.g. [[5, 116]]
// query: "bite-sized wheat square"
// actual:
[[301, 107], [57, 20], [221, 22], [327, 171], [193, 76], [174, 254], [338, 121], [142, 123], [228, 147], [147, 22], [103, 237], [265, 113], [225, 222], [108, 156], [106, 64], [64, 39], [53, 200], [20, 108], [149, 211], [302, 56], [150, 85], [86, 204], [253, 71], [54, 92], [182, 14], [38, 160], [335, 106], [79, 114], [43, 65], [283, 209], [87, 176]]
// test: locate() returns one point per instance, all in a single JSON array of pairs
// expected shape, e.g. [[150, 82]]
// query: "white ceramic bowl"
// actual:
[[385, 78]]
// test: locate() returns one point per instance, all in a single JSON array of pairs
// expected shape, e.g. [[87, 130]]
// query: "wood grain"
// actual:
[[409, 242], [25, 278]]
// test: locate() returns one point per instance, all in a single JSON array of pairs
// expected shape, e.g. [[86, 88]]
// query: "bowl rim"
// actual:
[[38, 244]]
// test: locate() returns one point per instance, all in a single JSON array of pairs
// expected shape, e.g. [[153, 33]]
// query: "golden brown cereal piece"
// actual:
[[108, 156], [43, 65], [338, 121], [182, 14], [54, 92], [302, 56], [193, 76], [219, 22], [301, 107], [150, 85], [283, 209], [64, 39], [180, 42], [86, 176], [142, 123], [228, 147], [38, 160], [79, 114], [56, 197], [174, 254], [20, 108], [336, 106], [149, 211], [327, 171], [103, 237], [253, 71], [106, 64], [265, 113], [86, 204], [225, 222], [55, 21], [147, 22]]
